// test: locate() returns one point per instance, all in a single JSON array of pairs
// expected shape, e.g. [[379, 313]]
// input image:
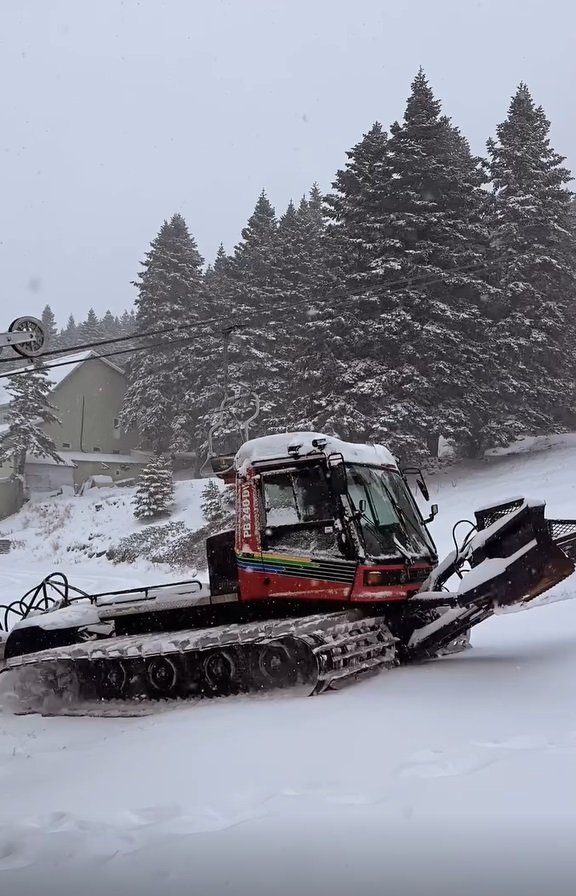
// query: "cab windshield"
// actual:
[[389, 522]]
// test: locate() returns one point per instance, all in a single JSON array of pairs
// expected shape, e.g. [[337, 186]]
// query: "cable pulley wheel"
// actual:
[[33, 347]]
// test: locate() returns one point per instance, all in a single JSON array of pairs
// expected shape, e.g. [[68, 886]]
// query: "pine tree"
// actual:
[[69, 336], [204, 386], [534, 326], [343, 329], [170, 295], [435, 236], [357, 205], [90, 330], [30, 407], [110, 325], [50, 329], [155, 492], [405, 340], [127, 323], [254, 352], [304, 281], [217, 506]]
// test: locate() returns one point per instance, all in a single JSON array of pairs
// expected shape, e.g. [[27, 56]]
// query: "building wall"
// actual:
[[11, 497], [89, 404], [85, 469], [48, 477]]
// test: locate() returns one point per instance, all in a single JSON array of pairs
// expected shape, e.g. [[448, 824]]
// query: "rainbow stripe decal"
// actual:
[[342, 571]]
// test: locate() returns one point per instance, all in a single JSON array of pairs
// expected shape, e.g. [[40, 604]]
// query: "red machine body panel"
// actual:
[[268, 574]]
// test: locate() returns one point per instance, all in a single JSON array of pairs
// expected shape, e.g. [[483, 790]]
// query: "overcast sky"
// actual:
[[117, 113]]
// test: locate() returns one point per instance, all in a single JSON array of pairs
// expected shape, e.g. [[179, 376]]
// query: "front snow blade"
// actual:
[[514, 557]]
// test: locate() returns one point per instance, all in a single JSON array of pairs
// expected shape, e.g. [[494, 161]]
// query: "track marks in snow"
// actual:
[[520, 742], [329, 795], [437, 764], [58, 836], [12, 853]]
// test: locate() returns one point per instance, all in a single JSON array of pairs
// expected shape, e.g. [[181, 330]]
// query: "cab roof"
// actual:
[[276, 447]]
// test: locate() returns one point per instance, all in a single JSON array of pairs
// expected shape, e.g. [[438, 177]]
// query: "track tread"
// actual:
[[327, 650]]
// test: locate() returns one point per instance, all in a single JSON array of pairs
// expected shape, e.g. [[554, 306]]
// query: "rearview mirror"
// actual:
[[424, 489], [420, 482], [433, 513]]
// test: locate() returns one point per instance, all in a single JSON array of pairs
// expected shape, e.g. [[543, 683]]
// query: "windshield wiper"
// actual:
[[400, 513], [376, 531]]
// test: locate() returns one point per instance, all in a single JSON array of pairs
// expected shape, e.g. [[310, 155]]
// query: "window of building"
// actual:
[[115, 451], [65, 444], [116, 423], [95, 448]]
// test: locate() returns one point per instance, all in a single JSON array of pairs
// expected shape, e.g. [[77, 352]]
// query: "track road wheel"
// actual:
[[221, 672], [113, 680], [162, 677], [273, 666]]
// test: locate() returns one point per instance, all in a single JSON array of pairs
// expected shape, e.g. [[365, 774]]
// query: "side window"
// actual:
[[280, 500], [313, 498]]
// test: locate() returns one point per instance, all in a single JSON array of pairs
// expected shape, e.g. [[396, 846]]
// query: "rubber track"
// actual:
[[319, 652]]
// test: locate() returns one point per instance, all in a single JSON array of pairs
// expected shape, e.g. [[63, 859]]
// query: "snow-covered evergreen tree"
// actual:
[[30, 407], [69, 335], [357, 204], [304, 281], [204, 382], [110, 325], [90, 330], [170, 293], [217, 505], [127, 323], [344, 328], [155, 492], [254, 351], [204, 401], [404, 345], [534, 319], [436, 238], [50, 328]]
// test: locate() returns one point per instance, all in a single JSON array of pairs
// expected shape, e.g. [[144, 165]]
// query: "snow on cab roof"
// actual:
[[276, 447], [57, 374]]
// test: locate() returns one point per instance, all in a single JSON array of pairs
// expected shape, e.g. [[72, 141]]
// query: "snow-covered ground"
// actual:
[[60, 531], [457, 776]]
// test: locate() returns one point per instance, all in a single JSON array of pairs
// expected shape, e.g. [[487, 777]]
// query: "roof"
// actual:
[[276, 447], [57, 375], [73, 458], [47, 461]]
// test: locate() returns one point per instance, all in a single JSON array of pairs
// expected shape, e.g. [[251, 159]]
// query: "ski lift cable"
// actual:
[[185, 340], [422, 281]]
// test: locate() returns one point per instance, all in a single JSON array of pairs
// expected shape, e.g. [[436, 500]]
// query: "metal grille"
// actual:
[[404, 575], [561, 528], [486, 517]]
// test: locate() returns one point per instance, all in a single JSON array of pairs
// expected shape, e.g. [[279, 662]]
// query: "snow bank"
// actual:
[[531, 444]]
